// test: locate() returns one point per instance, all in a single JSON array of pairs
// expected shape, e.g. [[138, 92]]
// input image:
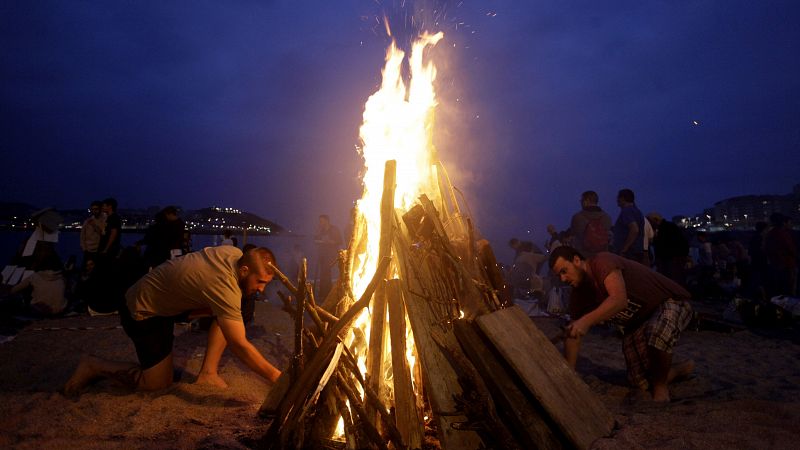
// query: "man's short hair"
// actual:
[[97, 203], [513, 243], [112, 202], [565, 252], [325, 217], [625, 194], [259, 257], [590, 197]]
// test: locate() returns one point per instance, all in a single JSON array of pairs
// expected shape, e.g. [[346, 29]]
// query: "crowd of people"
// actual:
[[758, 264], [639, 274]]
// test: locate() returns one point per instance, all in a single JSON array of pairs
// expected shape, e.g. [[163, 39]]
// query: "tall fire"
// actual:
[[416, 347]]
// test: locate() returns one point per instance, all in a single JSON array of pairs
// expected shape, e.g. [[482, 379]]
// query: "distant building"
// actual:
[[744, 211]]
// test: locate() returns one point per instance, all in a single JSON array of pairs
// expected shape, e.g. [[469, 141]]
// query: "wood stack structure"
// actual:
[[485, 376]]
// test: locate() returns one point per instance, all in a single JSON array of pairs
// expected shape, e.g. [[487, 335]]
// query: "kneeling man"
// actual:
[[651, 309], [213, 280]]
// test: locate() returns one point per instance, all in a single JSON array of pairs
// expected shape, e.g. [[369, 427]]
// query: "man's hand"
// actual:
[[577, 329]]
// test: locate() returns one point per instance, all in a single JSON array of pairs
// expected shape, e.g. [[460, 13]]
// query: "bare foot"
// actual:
[[660, 393], [83, 375], [680, 371], [211, 379]]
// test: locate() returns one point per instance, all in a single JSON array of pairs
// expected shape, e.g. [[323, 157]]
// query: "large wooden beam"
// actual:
[[569, 402], [523, 417], [409, 421]]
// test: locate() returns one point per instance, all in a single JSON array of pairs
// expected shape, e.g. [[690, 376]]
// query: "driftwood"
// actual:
[[408, 418], [523, 417], [574, 409], [439, 376]]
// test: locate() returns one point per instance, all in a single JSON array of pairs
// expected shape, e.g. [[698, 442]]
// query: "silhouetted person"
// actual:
[[759, 268], [92, 231], [671, 248], [782, 256], [164, 238], [328, 239], [590, 227], [628, 228]]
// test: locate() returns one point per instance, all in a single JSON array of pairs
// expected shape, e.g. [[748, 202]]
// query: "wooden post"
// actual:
[[377, 340], [408, 418]]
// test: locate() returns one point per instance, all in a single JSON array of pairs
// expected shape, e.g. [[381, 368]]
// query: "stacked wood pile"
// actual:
[[485, 376]]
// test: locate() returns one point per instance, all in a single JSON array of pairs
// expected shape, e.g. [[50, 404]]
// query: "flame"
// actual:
[[398, 125]]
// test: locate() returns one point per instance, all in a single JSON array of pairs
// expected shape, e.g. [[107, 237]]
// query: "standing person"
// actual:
[[111, 241], [651, 309], [671, 248], [164, 238], [328, 240], [590, 227], [782, 256], [758, 263], [107, 253], [629, 228], [214, 279], [92, 231]]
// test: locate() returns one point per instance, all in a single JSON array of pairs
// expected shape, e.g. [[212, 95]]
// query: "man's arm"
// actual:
[[633, 233], [616, 301], [234, 333]]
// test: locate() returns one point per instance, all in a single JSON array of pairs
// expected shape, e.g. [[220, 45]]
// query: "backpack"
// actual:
[[595, 236]]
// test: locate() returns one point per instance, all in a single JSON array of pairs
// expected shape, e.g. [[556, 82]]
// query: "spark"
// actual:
[[695, 123]]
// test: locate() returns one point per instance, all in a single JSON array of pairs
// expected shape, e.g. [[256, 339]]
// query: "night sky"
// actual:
[[257, 104]]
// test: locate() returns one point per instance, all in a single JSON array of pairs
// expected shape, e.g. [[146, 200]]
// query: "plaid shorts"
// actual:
[[661, 331]]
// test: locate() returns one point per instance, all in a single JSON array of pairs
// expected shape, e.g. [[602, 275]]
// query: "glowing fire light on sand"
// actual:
[[398, 125]]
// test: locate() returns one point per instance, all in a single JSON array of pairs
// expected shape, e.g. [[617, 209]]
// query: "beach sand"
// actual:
[[745, 393]]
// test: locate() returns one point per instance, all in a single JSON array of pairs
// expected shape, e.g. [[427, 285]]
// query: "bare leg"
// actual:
[[680, 370], [660, 364], [216, 346], [128, 374]]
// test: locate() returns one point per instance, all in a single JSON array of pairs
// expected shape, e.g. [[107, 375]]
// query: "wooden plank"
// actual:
[[439, 376], [409, 421], [375, 354], [578, 413], [528, 422]]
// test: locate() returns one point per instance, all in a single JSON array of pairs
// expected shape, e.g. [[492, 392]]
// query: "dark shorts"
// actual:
[[152, 337]]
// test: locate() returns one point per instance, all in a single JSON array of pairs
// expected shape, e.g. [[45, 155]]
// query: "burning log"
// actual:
[[408, 417]]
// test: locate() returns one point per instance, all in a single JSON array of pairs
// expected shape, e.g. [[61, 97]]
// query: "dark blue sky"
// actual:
[[256, 104]]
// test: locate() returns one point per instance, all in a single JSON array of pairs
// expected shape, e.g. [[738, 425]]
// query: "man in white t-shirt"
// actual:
[[211, 281]]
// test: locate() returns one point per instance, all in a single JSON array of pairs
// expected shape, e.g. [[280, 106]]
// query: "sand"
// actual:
[[745, 394]]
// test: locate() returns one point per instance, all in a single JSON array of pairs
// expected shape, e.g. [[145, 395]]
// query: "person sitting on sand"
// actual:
[[215, 279], [651, 309]]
